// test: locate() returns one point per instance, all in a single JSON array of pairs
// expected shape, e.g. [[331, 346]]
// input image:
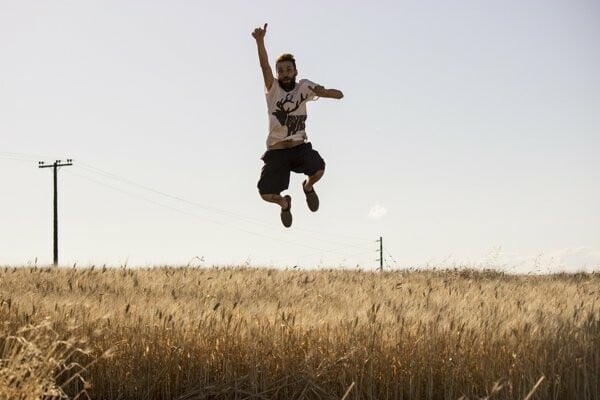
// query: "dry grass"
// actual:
[[35, 363], [244, 333]]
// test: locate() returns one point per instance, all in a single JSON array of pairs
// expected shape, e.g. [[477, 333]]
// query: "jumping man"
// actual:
[[287, 146]]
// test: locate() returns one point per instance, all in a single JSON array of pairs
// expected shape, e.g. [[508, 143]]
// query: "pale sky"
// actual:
[[469, 133]]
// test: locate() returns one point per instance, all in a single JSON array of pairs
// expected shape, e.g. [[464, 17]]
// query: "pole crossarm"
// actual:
[[57, 163]]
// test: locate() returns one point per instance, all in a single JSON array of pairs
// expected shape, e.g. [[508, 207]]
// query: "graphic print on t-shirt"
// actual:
[[294, 123]]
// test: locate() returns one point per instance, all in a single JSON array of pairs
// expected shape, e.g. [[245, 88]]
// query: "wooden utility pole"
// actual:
[[54, 166]]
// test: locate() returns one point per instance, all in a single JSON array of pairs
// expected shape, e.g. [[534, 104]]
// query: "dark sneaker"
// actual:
[[311, 198], [286, 214]]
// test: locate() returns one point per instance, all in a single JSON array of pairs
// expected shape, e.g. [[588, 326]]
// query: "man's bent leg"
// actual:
[[285, 203], [275, 198], [312, 200], [312, 179]]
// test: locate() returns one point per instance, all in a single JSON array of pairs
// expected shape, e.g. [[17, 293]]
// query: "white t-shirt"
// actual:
[[287, 111]]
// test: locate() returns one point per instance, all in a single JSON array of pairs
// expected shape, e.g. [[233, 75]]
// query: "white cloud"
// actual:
[[377, 211]]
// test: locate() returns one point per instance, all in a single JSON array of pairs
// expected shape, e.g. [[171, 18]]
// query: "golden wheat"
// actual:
[[242, 333]]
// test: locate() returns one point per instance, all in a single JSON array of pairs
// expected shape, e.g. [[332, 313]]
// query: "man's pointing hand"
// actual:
[[259, 33]]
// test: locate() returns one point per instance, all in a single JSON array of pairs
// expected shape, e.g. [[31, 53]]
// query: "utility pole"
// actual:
[[54, 166], [380, 253]]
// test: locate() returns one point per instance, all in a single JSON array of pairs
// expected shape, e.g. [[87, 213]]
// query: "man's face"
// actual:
[[286, 73]]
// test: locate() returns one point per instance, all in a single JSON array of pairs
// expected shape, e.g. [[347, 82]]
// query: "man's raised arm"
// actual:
[[259, 35], [329, 93]]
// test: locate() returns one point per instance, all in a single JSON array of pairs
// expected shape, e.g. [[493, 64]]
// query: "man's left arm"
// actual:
[[329, 93]]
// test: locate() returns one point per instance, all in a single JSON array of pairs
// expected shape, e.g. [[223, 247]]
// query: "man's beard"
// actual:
[[289, 85]]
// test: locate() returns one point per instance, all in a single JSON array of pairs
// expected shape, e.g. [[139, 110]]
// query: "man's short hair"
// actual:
[[286, 57]]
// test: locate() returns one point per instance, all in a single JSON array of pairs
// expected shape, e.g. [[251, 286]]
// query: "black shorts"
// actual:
[[275, 174]]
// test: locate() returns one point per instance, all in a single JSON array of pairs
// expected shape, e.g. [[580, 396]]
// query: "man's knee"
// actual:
[[318, 174], [268, 196]]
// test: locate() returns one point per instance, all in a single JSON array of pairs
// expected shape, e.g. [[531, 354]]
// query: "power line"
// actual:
[[194, 203], [392, 257], [220, 223], [147, 188], [229, 214]]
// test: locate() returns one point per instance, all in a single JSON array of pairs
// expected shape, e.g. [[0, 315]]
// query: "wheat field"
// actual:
[[258, 333]]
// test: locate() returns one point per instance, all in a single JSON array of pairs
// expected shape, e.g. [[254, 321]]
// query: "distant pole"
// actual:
[[54, 166], [380, 253]]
